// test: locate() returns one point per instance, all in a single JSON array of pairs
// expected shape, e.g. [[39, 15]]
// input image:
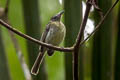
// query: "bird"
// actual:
[[54, 34]]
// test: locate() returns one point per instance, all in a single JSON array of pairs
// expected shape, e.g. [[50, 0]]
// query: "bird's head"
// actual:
[[57, 17]]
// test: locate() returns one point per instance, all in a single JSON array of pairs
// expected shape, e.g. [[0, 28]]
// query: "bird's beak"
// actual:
[[60, 13]]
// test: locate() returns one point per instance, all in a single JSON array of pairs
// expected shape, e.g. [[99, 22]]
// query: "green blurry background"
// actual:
[[54, 64], [99, 57]]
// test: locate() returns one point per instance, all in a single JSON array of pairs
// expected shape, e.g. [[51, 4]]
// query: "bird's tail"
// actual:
[[38, 61]]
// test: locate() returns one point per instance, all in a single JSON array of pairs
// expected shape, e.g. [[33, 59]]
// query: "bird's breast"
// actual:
[[56, 34]]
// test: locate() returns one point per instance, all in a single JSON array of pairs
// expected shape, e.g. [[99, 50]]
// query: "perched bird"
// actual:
[[54, 34]]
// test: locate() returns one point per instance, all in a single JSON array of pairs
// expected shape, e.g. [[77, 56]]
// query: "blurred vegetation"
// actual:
[[33, 29], [4, 68], [117, 55], [102, 46], [31, 17], [73, 16]]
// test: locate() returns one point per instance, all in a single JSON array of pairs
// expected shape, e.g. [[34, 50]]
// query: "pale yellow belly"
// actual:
[[55, 37]]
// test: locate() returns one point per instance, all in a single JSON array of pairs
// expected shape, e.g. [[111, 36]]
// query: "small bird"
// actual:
[[54, 34]]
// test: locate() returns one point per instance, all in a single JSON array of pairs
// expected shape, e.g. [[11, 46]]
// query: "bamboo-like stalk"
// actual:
[[4, 68], [117, 54], [102, 46], [73, 16], [33, 28], [78, 39]]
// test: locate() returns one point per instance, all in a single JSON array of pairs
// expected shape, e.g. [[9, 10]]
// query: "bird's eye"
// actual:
[[55, 17]]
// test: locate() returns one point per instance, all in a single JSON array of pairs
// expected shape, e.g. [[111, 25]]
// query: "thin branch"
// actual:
[[21, 57], [69, 49], [78, 40], [100, 23], [95, 4], [78, 43], [83, 24]]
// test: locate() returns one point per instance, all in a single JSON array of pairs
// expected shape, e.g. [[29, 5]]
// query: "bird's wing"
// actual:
[[43, 37], [41, 54]]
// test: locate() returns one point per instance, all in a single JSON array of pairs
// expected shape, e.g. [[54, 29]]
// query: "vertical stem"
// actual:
[[78, 40], [102, 46], [32, 25], [117, 55], [4, 68], [73, 16], [81, 62]]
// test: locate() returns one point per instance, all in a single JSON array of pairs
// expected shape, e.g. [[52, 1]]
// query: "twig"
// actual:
[[83, 24], [78, 43], [20, 57], [95, 4], [78, 40], [69, 49], [99, 24]]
